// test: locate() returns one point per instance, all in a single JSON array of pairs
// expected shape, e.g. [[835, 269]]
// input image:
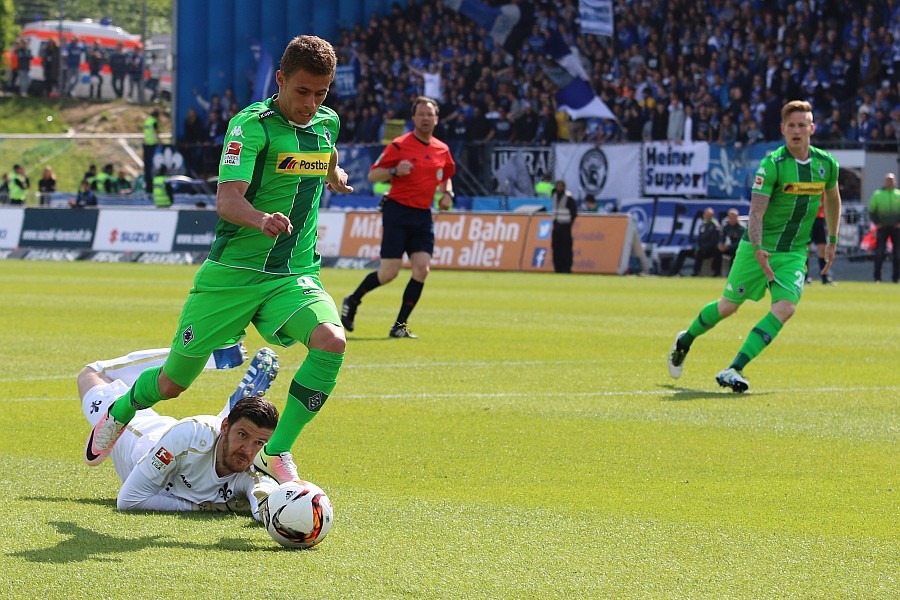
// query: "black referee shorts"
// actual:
[[819, 235], [405, 229]]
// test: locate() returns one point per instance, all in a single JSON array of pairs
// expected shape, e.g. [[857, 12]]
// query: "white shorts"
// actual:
[[98, 399], [142, 432]]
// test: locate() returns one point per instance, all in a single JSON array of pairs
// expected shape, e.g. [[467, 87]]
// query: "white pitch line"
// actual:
[[600, 394], [467, 365], [287, 367], [608, 394]]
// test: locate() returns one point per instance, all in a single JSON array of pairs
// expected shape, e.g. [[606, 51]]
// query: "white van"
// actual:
[[88, 32]]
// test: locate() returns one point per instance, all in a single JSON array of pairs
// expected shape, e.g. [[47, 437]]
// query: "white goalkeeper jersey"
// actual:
[[167, 464], [182, 463]]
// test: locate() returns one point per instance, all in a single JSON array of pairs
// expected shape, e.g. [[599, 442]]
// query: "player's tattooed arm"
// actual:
[[758, 205]]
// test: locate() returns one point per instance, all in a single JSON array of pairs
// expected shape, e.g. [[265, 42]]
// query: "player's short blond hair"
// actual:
[[796, 106]]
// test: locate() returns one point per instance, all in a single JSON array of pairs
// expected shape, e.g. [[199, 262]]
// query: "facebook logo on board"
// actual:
[[545, 228], [540, 255]]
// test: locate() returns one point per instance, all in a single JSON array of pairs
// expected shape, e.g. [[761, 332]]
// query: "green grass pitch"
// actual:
[[530, 445]]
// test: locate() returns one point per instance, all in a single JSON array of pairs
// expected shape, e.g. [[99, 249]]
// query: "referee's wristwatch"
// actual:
[[393, 171]]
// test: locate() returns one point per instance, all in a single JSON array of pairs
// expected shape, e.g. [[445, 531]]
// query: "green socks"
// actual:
[[318, 375], [707, 319], [760, 337], [143, 394]]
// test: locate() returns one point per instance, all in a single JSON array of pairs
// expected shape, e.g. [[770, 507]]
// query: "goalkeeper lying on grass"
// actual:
[[197, 463]]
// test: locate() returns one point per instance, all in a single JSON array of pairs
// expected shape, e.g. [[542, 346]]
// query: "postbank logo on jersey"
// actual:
[[304, 164], [804, 188]]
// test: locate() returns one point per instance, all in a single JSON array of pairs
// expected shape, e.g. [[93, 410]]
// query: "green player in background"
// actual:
[[263, 267], [772, 253]]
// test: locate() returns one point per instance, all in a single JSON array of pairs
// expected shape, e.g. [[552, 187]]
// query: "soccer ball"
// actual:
[[298, 514]]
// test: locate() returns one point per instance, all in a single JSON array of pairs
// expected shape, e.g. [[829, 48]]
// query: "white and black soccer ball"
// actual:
[[298, 514]]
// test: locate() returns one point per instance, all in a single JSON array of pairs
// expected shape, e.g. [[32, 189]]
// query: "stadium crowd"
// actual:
[[679, 70], [712, 70]]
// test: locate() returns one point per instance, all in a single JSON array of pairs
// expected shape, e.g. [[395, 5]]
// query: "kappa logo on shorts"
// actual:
[[188, 336]]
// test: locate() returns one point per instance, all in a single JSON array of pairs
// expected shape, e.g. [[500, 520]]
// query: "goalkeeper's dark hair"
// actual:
[[255, 409]]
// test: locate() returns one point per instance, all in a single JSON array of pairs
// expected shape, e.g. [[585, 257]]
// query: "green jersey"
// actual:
[[795, 189], [884, 207], [285, 166]]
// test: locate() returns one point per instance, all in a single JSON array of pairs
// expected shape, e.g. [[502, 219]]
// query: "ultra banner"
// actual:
[[515, 169], [675, 169], [604, 171]]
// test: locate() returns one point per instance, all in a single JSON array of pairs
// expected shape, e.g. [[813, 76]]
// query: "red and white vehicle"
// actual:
[[88, 31]]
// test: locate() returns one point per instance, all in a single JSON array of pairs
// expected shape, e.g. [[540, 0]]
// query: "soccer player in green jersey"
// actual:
[[263, 267], [772, 253]]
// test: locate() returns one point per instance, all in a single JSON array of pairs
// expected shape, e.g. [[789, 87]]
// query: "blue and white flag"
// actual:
[[596, 17], [580, 102], [575, 95], [567, 56], [507, 25]]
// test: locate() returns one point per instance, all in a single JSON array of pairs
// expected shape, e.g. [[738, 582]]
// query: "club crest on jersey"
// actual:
[[803, 188], [232, 155], [187, 335], [822, 171], [303, 163], [328, 136]]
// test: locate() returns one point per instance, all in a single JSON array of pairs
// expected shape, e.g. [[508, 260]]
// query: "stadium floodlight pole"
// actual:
[[144, 46], [59, 74]]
